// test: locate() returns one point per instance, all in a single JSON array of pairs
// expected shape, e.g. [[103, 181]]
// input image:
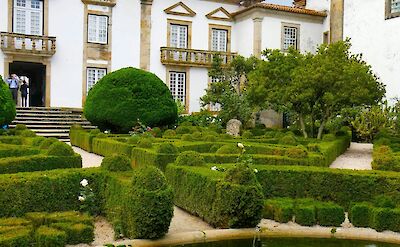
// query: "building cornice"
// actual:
[[281, 8]]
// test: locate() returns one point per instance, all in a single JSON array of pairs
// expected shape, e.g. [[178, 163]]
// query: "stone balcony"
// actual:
[[31, 45], [193, 58]]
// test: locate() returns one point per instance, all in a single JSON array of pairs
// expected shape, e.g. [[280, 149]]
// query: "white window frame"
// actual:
[[25, 9], [96, 74], [177, 85], [218, 42], [97, 32], [290, 39], [179, 35], [395, 6]]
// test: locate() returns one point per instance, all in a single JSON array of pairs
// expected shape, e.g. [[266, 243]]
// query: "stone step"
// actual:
[[49, 109], [50, 119], [37, 131], [52, 126], [48, 115], [57, 135]]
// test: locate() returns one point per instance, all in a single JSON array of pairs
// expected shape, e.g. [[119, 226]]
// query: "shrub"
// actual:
[[383, 201], [226, 136], [382, 142], [110, 102], [313, 147], [116, 163], [329, 137], [28, 133], [149, 189], [296, 152], [187, 137], [305, 215], [75, 233], [330, 214], [288, 140], [229, 149], [95, 132], [20, 236], [145, 143], [37, 141], [7, 104], [60, 149], [210, 138], [156, 132], [47, 143], [197, 135], [385, 219], [133, 139], [167, 148], [247, 134], [241, 174], [279, 209], [360, 214], [20, 127], [183, 130], [37, 218], [46, 236], [384, 159], [214, 148], [169, 133], [190, 158], [101, 135]]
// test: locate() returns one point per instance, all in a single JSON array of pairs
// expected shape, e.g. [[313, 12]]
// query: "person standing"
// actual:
[[24, 92], [13, 85]]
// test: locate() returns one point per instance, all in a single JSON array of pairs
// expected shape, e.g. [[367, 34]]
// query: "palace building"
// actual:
[[65, 47]]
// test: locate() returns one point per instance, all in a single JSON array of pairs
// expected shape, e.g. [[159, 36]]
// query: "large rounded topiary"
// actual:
[[122, 97], [7, 105]]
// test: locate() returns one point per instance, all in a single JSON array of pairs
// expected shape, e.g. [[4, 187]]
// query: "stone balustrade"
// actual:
[[23, 44]]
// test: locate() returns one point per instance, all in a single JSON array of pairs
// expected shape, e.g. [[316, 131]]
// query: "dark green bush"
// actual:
[[382, 142], [384, 201], [20, 127], [20, 236], [197, 135], [330, 214], [187, 137], [45, 144], [190, 158], [313, 147], [183, 130], [169, 133], [241, 174], [385, 219], [37, 218], [116, 163], [296, 152], [37, 141], [28, 133], [247, 134], [75, 233], [229, 149], [46, 236], [167, 148], [60, 149], [288, 140], [7, 104], [279, 209], [122, 97], [384, 159], [305, 214], [145, 143], [329, 137], [360, 214], [150, 195], [156, 132]]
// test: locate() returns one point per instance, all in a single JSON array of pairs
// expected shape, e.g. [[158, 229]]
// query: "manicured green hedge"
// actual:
[[46, 236], [16, 151], [150, 157], [38, 163], [329, 214], [108, 146], [81, 138], [204, 193], [16, 236], [323, 184], [280, 209]]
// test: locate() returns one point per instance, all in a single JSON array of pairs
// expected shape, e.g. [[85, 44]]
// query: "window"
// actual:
[[395, 6], [28, 17], [219, 40], [178, 36], [93, 76], [290, 36], [177, 85], [97, 29], [392, 8]]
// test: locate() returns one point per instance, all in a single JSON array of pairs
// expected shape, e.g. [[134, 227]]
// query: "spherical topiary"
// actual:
[[183, 130], [7, 105], [28, 133], [45, 144], [210, 138], [241, 174], [133, 139], [288, 140], [145, 143], [190, 158], [167, 148], [116, 163], [149, 178], [197, 135], [247, 134], [169, 133], [229, 149], [60, 149], [187, 137], [122, 97]]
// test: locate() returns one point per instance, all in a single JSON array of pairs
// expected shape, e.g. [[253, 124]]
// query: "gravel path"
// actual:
[[357, 157], [88, 159]]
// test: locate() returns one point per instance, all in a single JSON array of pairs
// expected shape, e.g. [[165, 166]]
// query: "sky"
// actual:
[[281, 2]]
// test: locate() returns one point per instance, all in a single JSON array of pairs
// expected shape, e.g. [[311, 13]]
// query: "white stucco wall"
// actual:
[[244, 36], [376, 38], [3, 28], [198, 83], [321, 5], [125, 34], [66, 64]]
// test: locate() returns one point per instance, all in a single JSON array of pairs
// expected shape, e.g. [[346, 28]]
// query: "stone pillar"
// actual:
[[145, 33], [257, 36], [336, 20]]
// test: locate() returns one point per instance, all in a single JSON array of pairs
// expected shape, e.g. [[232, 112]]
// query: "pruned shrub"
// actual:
[[20, 127], [60, 149], [305, 215], [183, 130], [313, 147], [288, 140], [101, 136], [167, 148], [384, 201], [122, 97], [133, 139], [145, 143], [229, 149], [37, 141], [382, 142], [385, 219], [156, 132], [116, 163], [241, 174], [209, 138], [28, 133], [384, 159], [75, 233], [296, 152], [279, 209], [169, 133], [190, 158], [360, 214], [247, 134], [47, 236], [329, 137], [330, 214], [45, 144], [187, 137]]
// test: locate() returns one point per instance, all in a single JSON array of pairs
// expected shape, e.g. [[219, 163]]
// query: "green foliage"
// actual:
[[384, 159], [111, 101], [156, 132], [187, 137], [298, 152], [167, 148], [28, 133], [190, 158], [133, 139], [46, 236], [76, 233], [360, 214], [45, 144], [247, 134], [183, 130], [229, 149], [16, 236], [305, 214], [210, 138], [384, 201], [169, 133], [280, 209], [7, 105], [60, 149], [241, 174], [330, 214], [385, 219], [116, 163], [328, 137], [145, 143], [314, 87], [288, 140]]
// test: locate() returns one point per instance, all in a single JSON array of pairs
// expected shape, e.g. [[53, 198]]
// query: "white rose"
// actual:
[[240, 145], [255, 170], [214, 168], [84, 182], [81, 198]]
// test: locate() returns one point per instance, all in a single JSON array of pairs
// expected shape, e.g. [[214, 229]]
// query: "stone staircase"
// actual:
[[50, 122]]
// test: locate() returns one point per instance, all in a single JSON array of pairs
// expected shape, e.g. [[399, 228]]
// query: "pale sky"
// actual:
[[281, 2]]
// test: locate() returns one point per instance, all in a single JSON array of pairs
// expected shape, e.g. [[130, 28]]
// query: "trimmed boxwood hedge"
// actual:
[[7, 104], [122, 97]]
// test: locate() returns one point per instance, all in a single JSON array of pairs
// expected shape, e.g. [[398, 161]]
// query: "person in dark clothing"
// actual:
[[24, 92], [12, 82]]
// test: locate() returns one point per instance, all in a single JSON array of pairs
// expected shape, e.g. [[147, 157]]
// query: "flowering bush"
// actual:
[[87, 199]]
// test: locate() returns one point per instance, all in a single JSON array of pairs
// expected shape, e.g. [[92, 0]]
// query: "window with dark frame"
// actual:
[[97, 29]]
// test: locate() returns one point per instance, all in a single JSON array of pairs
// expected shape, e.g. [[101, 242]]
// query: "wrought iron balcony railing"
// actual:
[[193, 58], [23, 44]]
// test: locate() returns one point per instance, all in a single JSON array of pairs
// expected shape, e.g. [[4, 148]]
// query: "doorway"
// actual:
[[36, 76]]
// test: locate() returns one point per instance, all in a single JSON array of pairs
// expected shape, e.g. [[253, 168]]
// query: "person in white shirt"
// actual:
[[13, 84]]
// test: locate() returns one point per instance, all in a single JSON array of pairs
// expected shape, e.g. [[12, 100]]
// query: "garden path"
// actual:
[[357, 157], [88, 159]]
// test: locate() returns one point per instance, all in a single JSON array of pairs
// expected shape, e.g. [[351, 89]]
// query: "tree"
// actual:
[[229, 87], [317, 86], [7, 105]]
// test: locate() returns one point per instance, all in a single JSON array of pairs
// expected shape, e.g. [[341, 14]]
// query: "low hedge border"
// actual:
[[367, 215]]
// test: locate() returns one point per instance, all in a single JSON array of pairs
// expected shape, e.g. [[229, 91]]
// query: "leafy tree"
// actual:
[[229, 87], [317, 86], [7, 105]]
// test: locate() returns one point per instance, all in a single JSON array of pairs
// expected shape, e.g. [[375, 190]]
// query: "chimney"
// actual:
[[300, 3]]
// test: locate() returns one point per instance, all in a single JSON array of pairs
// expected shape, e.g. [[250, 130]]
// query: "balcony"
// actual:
[[109, 3], [193, 58], [31, 45]]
